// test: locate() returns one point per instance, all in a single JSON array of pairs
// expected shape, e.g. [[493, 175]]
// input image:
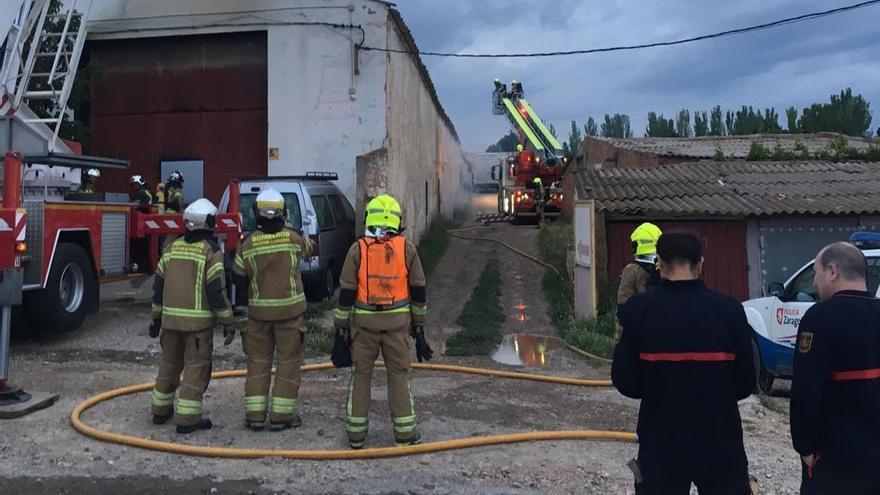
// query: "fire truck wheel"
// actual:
[[62, 306]]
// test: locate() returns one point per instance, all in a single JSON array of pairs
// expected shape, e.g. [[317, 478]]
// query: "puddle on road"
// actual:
[[522, 349]]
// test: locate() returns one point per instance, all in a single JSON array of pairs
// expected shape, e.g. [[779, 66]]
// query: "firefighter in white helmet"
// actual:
[[267, 269], [189, 299], [139, 191], [89, 177]]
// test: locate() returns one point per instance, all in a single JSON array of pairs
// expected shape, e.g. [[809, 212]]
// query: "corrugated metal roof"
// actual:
[[731, 146], [734, 188]]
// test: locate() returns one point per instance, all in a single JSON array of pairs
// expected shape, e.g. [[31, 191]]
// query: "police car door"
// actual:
[[799, 295]]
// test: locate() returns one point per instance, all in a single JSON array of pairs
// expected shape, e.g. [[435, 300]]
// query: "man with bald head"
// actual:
[[835, 389]]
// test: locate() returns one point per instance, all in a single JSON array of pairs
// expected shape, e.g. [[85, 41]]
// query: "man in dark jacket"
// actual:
[[835, 391], [686, 352]]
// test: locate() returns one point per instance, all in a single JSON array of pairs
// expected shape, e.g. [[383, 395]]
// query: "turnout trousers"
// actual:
[[262, 341], [187, 354], [394, 345]]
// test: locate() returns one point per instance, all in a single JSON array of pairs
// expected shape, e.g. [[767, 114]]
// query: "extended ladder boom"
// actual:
[[524, 119]]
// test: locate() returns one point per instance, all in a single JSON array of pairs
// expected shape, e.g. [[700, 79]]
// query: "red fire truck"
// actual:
[[56, 245], [539, 156]]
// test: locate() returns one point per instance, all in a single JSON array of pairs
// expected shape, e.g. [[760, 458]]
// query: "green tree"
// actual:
[[716, 124], [771, 121], [791, 115], [575, 139], [617, 125], [552, 130], [846, 114], [683, 123], [701, 123], [659, 126], [505, 144], [729, 122], [590, 128]]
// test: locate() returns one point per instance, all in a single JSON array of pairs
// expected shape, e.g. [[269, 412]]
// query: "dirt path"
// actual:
[[43, 454]]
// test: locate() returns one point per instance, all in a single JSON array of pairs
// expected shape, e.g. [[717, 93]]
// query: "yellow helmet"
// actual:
[[383, 213], [519, 147], [644, 239], [537, 180]]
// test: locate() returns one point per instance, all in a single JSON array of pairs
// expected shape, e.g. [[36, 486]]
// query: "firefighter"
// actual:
[[686, 352], [139, 191], [382, 280], [159, 197], [174, 193], [268, 263], [89, 178], [540, 200], [835, 390], [189, 299], [641, 274]]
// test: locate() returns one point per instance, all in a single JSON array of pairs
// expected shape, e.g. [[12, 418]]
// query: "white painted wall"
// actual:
[[422, 149]]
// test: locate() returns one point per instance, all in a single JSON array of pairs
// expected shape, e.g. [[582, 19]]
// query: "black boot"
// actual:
[[203, 424], [255, 425], [294, 422], [162, 419], [414, 440]]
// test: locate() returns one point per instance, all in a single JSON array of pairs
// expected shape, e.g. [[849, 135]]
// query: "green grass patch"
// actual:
[[481, 317], [433, 245], [595, 335], [319, 340]]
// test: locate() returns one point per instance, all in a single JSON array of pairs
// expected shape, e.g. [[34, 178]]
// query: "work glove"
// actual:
[[423, 350], [341, 355], [156, 328], [228, 335]]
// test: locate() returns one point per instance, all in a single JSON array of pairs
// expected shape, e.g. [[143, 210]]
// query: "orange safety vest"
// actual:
[[383, 278]]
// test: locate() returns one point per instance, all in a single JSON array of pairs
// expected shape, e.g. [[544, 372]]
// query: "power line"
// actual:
[[732, 32]]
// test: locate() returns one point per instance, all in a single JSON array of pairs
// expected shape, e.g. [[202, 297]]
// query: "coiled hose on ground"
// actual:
[[439, 446]]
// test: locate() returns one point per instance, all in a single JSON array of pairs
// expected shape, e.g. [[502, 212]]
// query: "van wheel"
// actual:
[[765, 379], [69, 294]]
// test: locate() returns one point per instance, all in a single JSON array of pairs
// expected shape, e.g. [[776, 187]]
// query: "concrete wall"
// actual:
[[424, 166]]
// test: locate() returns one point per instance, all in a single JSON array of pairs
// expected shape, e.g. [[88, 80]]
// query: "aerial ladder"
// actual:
[[539, 155]]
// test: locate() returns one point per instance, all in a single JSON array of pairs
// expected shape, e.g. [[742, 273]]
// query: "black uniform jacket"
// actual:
[[835, 392], [686, 352]]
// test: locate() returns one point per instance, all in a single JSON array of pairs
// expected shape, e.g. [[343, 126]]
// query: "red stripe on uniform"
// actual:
[[845, 376], [676, 357]]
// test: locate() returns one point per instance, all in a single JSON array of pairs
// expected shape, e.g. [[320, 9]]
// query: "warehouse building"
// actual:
[[223, 88]]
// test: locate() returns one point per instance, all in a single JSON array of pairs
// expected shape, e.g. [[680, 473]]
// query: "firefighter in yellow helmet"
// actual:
[[189, 300], [540, 200], [383, 285], [267, 269], [641, 274], [159, 197]]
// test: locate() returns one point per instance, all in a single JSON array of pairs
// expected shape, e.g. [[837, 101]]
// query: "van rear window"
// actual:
[[246, 208]]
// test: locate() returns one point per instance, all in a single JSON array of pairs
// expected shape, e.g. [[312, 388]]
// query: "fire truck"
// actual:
[[540, 157], [58, 246]]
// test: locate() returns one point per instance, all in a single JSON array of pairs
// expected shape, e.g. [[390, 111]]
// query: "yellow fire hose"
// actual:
[[461, 443]]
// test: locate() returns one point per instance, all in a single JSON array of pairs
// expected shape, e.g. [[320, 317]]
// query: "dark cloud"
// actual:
[[792, 65]]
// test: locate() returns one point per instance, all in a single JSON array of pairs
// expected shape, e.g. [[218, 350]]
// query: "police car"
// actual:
[[775, 319]]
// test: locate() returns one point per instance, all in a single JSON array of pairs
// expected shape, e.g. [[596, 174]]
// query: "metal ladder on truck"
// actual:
[[524, 120], [42, 55]]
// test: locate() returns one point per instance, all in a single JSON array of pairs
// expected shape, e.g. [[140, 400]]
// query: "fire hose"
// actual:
[[374, 453]]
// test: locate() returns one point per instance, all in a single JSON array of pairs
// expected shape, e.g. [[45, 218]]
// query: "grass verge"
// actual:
[[433, 245], [594, 335], [481, 317], [319, 340]]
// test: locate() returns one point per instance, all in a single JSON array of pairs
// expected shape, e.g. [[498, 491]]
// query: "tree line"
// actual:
[[845, 113]]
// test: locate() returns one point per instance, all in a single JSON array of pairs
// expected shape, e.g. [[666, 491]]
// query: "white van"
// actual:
[[315, 208]]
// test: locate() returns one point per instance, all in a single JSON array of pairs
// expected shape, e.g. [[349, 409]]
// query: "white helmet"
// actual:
[[269, 204], [137, 179], [200, 215], [93, 172]]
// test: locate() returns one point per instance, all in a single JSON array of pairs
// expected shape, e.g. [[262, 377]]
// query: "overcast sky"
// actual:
[[791, 65]]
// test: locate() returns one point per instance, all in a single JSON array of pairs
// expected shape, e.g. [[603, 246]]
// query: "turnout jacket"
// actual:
[[835, 390], [267, 267], [189, 289], [686, 352]]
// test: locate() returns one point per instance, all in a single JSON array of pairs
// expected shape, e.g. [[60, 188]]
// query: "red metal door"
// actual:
[[724, 248]]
